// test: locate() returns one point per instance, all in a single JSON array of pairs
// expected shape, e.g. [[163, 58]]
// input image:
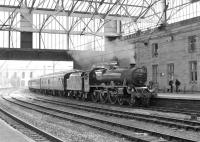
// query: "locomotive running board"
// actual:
[[110, 86]]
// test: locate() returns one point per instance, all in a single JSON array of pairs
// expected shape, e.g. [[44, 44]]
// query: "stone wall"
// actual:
[[172, 48]]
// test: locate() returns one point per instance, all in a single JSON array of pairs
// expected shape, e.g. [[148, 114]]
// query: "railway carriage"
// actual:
[[101, 84], [34, 84], [52, 84]]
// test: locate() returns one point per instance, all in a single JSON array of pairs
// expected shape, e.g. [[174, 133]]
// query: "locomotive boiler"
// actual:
[[133, 76], [105, 84]]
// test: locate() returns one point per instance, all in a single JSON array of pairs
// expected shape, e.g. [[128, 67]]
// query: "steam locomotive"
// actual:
[[105, 84]]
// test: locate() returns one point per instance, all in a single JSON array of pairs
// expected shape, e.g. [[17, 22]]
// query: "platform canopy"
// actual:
[[102, 9], [92, 15]]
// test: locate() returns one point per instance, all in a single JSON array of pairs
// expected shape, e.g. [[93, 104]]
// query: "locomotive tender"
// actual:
[[101, 84]]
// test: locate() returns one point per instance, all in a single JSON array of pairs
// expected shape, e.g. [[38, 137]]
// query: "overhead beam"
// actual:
[[110, 3], [34, 54], [9, 8], [60, 32]]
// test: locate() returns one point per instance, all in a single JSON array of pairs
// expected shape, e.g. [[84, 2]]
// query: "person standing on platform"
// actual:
[[177, 83], [171, 82]]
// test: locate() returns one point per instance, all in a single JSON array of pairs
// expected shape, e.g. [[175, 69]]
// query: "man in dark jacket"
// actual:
[[171, 85], [177, 83]]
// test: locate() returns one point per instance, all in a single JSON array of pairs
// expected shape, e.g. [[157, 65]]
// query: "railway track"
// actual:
[[167, 121], [27, 129], [194, 113], [115, 127], [173, 109]]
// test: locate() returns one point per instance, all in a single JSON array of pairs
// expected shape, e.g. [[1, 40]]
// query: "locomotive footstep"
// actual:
[[120, 100]]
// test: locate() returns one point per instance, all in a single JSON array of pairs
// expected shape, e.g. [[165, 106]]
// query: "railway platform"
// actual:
[[180, 95], [9, 134]]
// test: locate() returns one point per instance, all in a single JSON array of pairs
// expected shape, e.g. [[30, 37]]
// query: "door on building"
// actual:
[[155, 73], [170, 72], [155, 76]]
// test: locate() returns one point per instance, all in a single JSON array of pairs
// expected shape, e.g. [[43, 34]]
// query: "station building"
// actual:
[[16, 77], [171, 52]]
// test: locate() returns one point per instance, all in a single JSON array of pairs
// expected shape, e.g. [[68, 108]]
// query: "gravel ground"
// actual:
[[146, 125], [132, 122], [65, 130]]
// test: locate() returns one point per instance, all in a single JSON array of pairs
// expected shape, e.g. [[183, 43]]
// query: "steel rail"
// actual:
[[111, 123], [174, 122]]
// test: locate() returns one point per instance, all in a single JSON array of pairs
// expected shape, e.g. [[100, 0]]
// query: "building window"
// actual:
[[7, 74], [155, 50], [192, 43], [15, 74], [170, 71], [193, 71], [155, 73], [31, 74], [23, 75], [22, 83]]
